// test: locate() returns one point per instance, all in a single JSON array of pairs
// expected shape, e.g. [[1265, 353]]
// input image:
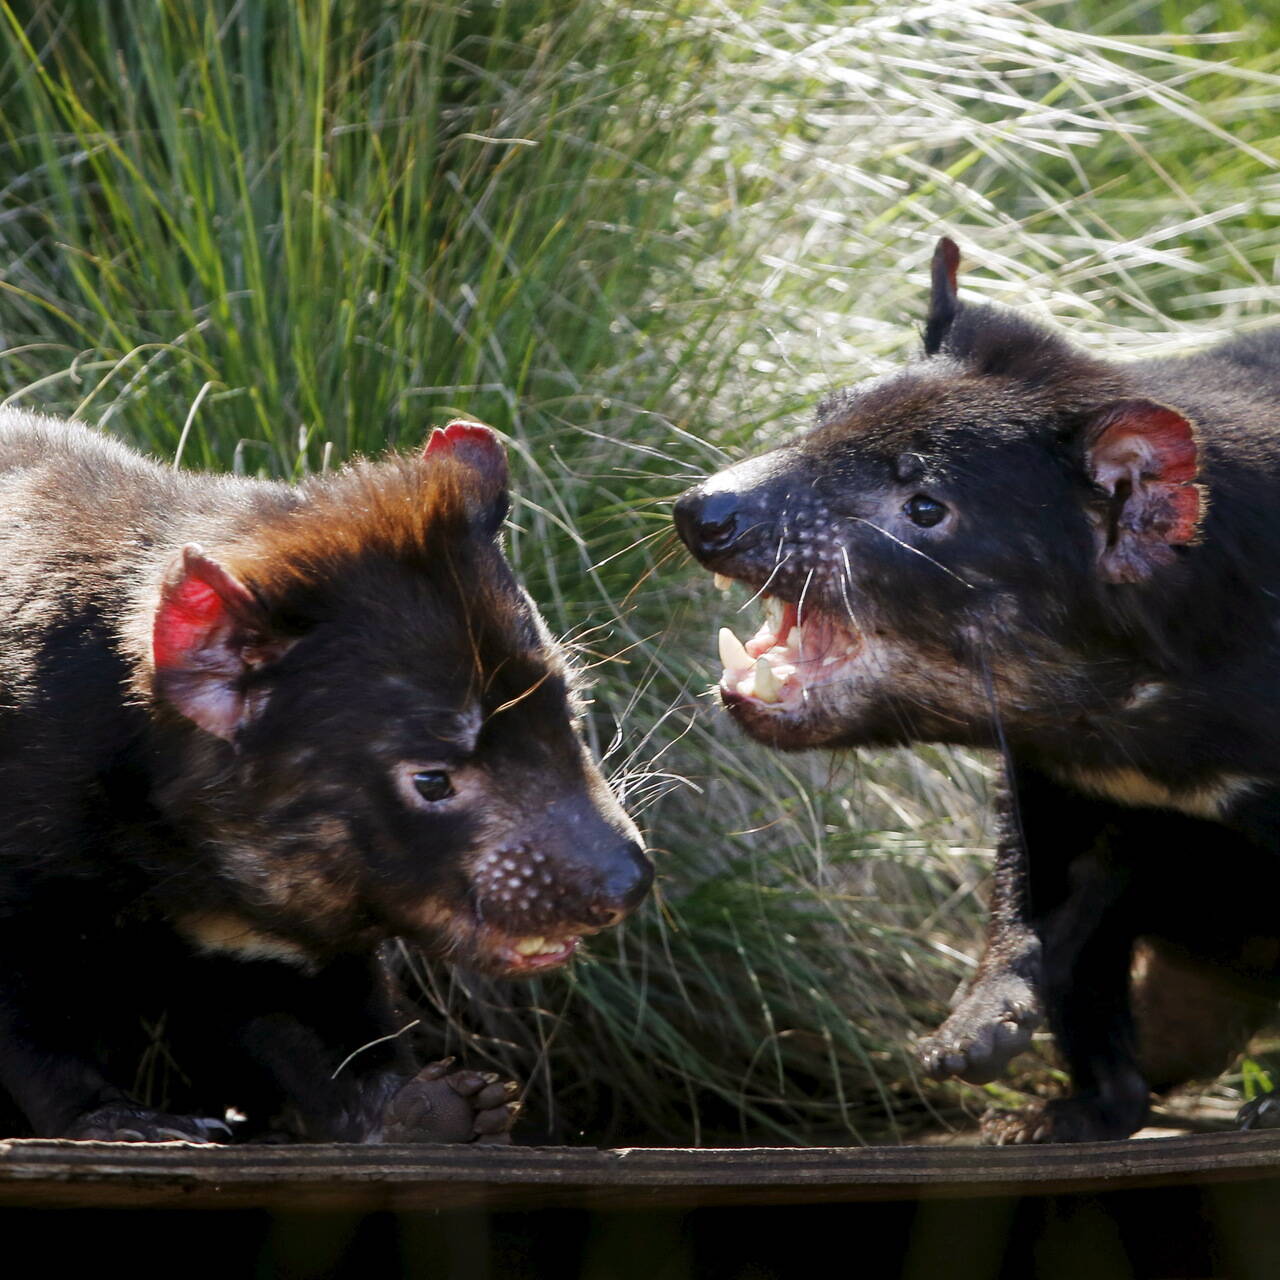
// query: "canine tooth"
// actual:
[[773, 612], [830, 660], [732, 651], [767, 686], [531, 946], [722, 583]]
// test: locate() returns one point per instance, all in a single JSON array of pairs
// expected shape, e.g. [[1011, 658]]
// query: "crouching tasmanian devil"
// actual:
[[1014, 544], [248, 731]]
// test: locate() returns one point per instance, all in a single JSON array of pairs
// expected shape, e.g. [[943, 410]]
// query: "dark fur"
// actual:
[[220, 894], [1112, 625]]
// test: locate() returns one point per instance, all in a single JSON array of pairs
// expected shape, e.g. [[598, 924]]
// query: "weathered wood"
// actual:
[[182, 1175]]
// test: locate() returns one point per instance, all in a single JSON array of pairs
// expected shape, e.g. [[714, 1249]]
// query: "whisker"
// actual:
[[804, 591], [640, 541], [914, 551], [646, 575], [846, 581], [773, 574]]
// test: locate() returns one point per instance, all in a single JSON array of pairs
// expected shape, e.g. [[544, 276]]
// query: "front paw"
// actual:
[[990, 1026], [443, 1105], [120, 1122], [1078, 1119]]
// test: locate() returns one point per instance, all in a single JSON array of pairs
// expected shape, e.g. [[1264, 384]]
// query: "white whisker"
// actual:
[[915, 551], [773, 574]]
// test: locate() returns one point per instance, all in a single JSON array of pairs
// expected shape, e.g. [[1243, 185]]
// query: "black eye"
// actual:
[[433, 785], [925, 512]]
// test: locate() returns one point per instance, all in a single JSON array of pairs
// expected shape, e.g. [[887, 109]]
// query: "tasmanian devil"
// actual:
[[249, 731], [1014, 544]]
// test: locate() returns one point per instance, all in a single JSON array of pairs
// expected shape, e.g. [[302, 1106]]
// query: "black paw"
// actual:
[[443, 1105], [119, 1122], [1080, 1119], [1262, 1112], [990, 1026]]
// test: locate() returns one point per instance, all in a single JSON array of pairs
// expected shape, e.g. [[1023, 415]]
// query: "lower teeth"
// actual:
[[535, 947], [768, 688]]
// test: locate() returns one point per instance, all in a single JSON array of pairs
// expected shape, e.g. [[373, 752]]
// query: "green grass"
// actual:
[[637, 241]]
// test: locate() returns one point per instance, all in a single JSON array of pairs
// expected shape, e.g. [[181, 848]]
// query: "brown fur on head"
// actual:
[[371, 729]]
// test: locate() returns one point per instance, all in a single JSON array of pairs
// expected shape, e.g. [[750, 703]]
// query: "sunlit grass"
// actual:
[[637, 241]]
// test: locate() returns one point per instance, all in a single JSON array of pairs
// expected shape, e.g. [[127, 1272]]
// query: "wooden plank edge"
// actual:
[[36, 1171]]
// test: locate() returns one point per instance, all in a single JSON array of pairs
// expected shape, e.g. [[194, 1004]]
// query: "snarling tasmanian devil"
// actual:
[[249, 731], [1014, 544]]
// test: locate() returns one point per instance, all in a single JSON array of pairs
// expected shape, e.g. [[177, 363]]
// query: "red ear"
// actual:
[[1145, 456], [478, 448], [206, 635], [476, 445]]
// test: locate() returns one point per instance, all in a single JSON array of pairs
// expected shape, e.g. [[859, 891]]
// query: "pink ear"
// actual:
[[203, 639], [478, 448], [1144, 455], [476, 445]]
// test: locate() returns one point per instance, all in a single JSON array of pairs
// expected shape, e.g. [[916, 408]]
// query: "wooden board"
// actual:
[[369, 1178]]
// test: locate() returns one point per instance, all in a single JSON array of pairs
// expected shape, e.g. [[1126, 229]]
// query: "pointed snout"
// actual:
[[576, 868], [730, 513], [709, 521], [624, 875]]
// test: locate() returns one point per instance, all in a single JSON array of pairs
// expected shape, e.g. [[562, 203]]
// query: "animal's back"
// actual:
[[1234, 383], [67, 494], [1258, 354]]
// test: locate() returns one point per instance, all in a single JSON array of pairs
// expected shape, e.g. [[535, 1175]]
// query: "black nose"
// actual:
[[624, 885], [708, 522]]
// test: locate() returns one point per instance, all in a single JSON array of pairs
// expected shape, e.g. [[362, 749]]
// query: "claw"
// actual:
[[462, 1106]]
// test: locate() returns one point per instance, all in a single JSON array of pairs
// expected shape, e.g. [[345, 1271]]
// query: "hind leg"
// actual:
[[1193, 1019], [1211, 978]]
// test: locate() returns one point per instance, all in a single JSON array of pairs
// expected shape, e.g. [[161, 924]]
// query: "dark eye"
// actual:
[[433, 785], [925, 512]]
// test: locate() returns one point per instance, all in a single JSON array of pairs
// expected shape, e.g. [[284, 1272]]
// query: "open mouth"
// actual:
[[535, 953], [788, 658], [465, 937]]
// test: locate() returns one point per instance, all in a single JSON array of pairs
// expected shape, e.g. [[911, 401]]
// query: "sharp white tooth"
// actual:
[[830, 660], [768, 687], [773, 613], [531, 946], [732, 652], [722, 583]]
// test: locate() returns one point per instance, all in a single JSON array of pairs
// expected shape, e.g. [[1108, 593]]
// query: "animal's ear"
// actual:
[[943, 300], [209, 632], [480, 451], [1143, 455]]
